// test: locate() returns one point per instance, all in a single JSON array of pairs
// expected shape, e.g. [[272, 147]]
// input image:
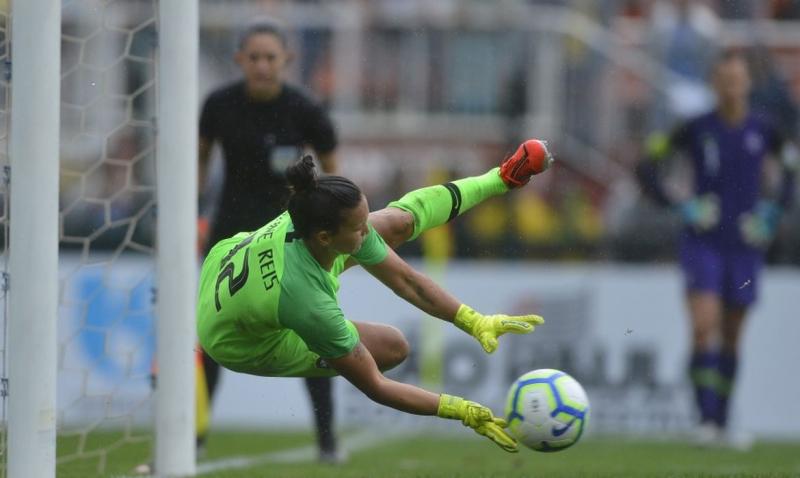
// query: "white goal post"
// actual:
[[176, 176], [33, 242]]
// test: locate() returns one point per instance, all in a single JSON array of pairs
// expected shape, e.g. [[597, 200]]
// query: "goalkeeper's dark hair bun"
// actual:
[[302, 175], [318, 204]]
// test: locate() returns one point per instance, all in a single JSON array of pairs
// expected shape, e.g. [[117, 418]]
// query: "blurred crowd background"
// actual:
[[424, 91]]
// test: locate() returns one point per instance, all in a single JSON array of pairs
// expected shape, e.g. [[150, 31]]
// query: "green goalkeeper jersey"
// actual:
[[264, 301]]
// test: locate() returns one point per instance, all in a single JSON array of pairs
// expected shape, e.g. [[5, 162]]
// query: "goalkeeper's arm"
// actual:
[[360, 369], [422, 292], [759, 226], [416, 288]]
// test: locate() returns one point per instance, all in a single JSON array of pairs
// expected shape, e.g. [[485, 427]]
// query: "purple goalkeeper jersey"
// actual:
[[727, 160]]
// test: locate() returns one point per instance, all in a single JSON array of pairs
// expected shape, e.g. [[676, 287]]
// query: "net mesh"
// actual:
[[5, 96], [107, 216]]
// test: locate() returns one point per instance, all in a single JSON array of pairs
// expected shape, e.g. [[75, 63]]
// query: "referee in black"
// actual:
[[263, 124]]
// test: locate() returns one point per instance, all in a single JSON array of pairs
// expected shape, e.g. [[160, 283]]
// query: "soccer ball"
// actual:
[[547, 410]]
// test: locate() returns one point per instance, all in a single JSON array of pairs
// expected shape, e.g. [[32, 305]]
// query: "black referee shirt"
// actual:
[[259, 139]]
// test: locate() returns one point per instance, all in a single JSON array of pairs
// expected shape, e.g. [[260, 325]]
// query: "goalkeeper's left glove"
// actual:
[[758, 227], [487, 328], [477, 417]]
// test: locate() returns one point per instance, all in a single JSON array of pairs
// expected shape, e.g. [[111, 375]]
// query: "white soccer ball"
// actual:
[[547, 410]]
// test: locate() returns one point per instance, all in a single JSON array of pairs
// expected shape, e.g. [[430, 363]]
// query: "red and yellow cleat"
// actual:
[[532, 157]]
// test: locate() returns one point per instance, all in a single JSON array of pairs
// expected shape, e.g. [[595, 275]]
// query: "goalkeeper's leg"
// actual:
[[387, 345], [423, 209]]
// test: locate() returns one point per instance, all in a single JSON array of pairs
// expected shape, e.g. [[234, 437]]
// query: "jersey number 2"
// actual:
[[235, 282]]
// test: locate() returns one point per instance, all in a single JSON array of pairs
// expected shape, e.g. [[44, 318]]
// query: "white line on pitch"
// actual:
[[356, 442], [352, 443]]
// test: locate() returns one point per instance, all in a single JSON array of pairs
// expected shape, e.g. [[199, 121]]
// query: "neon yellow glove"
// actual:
[[479, 418], [487, 328]]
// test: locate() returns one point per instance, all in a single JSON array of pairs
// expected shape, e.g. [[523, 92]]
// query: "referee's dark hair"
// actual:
[[317, 204], [264, 25]]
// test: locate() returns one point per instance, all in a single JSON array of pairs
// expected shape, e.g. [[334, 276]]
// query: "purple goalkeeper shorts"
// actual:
[[731, 274]]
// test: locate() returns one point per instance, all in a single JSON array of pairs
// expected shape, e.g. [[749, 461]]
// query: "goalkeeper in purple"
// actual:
[[730, 219], [267, 302]]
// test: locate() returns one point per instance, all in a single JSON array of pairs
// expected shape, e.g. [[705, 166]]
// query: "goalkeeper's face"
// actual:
[[352, 230], [263, 59]]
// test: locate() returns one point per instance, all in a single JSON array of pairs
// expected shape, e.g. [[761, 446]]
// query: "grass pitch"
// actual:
[[290, 455]]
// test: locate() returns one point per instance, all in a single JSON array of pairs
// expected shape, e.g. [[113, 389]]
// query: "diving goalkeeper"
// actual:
[[267, 302]]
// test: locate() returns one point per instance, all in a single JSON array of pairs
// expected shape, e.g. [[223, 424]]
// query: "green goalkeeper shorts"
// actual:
[[285, 356]]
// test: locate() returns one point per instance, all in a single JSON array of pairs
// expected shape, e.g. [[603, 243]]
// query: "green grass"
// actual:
[[461, 457]]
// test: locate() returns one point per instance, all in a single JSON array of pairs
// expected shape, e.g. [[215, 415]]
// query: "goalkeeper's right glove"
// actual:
[[477, 417], [701, 213]]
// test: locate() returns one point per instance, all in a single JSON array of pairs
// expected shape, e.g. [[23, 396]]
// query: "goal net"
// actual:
[[107, 419], [107, 221], [4, 168]]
